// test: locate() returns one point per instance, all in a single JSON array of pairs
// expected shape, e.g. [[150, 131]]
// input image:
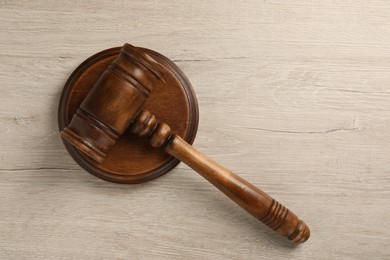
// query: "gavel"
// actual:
[[115, 104]]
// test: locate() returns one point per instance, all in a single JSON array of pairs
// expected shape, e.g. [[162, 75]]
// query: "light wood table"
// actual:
[[294, 96]]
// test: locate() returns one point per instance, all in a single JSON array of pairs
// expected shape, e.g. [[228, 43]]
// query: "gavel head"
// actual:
[[111, 104]]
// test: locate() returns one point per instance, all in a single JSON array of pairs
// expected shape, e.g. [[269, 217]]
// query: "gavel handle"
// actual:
[[256, 202]]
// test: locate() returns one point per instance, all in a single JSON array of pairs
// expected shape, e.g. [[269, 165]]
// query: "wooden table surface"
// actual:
[[294, 96]]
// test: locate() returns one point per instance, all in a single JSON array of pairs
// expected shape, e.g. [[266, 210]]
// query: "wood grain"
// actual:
[[293, 97]]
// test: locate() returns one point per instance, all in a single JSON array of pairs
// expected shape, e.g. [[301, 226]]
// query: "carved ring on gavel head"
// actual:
[[106, 101]]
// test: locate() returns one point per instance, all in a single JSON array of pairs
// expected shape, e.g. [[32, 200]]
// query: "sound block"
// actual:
[[132, 159]]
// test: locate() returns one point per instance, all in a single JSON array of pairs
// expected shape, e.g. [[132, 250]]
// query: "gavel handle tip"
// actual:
[[301, 233]]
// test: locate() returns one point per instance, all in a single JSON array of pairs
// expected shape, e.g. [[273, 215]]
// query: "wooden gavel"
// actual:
[[115, 104]]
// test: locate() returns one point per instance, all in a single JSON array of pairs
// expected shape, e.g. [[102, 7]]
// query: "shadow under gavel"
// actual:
[[115, 104]]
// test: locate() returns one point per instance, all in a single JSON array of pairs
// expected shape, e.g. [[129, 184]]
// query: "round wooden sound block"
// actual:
[[132, 159]]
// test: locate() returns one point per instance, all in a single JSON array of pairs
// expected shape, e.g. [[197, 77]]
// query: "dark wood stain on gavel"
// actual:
[[115, 104]]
